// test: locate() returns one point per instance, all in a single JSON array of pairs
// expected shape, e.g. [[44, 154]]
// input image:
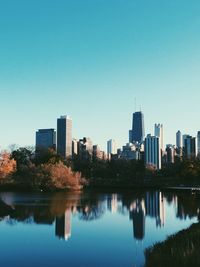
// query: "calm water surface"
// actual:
[[89, 229]]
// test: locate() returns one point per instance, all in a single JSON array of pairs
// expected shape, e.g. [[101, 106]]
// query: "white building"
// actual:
[[153, 151], [179, 140], [158, 132], [198, 143], [111, 147]]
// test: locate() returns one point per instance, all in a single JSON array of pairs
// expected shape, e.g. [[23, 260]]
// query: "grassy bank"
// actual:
[[179, 250]]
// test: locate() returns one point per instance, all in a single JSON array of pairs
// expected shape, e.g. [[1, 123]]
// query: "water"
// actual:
[[89, 229]]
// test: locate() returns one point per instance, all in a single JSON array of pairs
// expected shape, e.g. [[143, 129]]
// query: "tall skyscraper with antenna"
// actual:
[[137, 132]]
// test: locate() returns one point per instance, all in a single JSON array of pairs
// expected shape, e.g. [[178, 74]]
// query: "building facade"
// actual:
[[136, 134], [64, 136], [158, 132], [190, 147], [45, 138], [152, 152], [111, 147]]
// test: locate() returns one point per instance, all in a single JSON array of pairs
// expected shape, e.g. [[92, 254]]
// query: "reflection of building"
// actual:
[[45, 138], [112, 203], [137, 214], [64, 136], [63, 225], [137, 132], [155, 208]]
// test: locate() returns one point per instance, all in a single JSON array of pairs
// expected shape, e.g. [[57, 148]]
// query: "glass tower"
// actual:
[[137, 132]]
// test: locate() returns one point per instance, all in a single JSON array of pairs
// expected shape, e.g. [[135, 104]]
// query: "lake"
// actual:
[[91, 228]]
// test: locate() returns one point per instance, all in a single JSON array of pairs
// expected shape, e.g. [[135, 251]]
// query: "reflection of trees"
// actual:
[[92, 207]]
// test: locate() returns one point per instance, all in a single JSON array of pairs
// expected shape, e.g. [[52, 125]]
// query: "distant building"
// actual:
[[130, 152], [152, 152], [98, 153], [190, 147], [85, 148], [158, 132], [111, 148], [198, 143], [136, 134], [64, 136], [74, 147], [179, 140], [45, 138], [170, 150]]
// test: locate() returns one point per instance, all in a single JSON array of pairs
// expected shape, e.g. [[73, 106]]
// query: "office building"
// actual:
[[136, 134], [179, 140], [111, 147], [190, 147], [158, 132], [45, 138], [74, 147], [64, 136], [85, 148], [170, 154], [198, 144], [152, 152]]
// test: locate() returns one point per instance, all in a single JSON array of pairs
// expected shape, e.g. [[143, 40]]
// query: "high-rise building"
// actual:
[[85, 148], [74, 147], [64, 136], [179, 140], [45, 138], [152, 151], [190, 147], [111, 147], [170, 149], [158, 132], [137, 132], [198, 143]]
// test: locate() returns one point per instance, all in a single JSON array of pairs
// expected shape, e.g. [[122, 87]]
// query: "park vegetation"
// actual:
[[45, 170], [179, 250]]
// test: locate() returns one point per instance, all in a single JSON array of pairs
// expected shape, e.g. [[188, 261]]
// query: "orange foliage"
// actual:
[[7, 165], [62, 177]]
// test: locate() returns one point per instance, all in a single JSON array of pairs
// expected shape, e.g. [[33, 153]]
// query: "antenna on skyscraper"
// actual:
[[135, 104]]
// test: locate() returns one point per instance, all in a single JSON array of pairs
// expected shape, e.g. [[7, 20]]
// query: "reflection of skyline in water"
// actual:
[[61, 208]]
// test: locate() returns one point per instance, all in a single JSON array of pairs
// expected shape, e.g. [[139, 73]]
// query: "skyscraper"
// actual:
[[64, 136], [190, 147], [111, 147], [158, 132], [137, 132], [198, 143], [152, 151], [179, 139], [45, 138]]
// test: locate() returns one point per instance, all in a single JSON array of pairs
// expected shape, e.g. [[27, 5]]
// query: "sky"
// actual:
[[90, 59]]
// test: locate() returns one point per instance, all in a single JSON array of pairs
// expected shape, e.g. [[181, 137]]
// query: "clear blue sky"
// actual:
[[90, 59]]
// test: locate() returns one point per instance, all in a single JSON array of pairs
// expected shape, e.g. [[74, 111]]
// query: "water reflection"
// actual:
[[60, 208]]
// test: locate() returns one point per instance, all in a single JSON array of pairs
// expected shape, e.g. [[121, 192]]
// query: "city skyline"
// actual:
[[64, 58]]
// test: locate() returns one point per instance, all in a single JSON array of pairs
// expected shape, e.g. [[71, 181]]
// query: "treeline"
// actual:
[[42, 170], [46, 170]]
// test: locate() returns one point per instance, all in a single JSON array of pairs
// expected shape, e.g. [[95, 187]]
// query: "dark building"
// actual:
[[45, 138], [64, 136], [190, 147], [137, 132]]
